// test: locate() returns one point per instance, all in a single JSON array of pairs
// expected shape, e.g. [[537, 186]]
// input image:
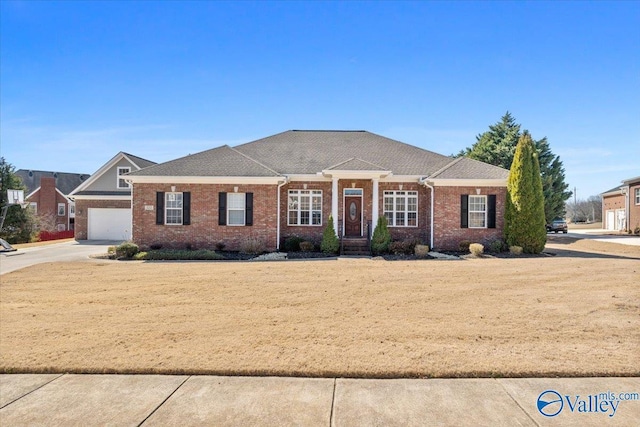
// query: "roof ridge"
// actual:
[[341, 163], [138, 157], [445, 167], [255, 161]]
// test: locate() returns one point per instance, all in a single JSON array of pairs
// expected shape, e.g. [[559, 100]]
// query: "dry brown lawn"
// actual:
[[576, 313]]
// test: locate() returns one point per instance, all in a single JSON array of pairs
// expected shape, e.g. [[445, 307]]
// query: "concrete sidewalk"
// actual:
[[160, 400]]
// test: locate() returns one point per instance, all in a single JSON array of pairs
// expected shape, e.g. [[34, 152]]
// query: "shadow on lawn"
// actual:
[[571, 253]]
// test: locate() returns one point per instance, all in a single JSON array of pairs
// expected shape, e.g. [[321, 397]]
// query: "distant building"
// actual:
[[47, 195]]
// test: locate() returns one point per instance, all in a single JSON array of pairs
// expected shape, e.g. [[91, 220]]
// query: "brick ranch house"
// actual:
[[621, 206], [290, 183]]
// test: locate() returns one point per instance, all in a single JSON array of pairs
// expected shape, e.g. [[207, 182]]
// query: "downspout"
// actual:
[[426, 184], [286, 181]]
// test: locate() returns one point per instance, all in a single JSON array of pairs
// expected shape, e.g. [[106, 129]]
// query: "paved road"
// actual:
[[162, 400], [57, 252]]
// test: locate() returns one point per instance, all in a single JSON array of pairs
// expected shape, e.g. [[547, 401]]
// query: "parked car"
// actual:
[[557, 225]]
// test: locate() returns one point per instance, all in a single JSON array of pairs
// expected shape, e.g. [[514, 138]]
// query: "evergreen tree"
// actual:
[[524, 223], [330, 243], [497, 147], [20, 224], [381, 238]]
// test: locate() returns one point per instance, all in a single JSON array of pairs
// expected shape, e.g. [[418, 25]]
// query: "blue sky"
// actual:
[[80, 81]]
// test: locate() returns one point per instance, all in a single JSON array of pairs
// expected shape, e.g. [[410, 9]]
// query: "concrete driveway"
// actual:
[[601, 236], [57, 252]]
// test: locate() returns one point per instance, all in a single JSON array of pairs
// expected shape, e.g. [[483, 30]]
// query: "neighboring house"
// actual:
[[621, 206], [103, 202], [290, 183], [47, 194]]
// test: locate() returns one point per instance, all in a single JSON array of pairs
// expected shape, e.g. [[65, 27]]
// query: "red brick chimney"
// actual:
[[47, 203]]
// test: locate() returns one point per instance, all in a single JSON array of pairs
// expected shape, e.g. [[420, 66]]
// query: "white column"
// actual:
[[374, 205], [334, 203]]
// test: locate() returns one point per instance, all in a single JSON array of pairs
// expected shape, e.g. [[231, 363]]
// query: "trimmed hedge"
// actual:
[[178, 255]]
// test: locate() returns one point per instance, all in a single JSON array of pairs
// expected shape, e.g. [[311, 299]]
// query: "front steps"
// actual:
[[355, 246]]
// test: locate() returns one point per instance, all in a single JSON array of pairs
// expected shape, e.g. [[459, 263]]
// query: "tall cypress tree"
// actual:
[[524, 212], [497, 146]]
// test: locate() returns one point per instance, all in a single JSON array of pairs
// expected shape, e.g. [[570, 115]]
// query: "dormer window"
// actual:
[[121, 181]]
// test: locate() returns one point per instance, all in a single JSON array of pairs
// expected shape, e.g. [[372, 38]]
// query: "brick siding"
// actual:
[[204, 231], [447, 231]]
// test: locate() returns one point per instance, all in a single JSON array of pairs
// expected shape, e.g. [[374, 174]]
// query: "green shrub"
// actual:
[[253, 246], [292, 243], [220, 246], [496, 246], [179, 255], [421, 251], [330, 243], [464, 246], [155, 246], [515, 250], [381, 237], [307, 246], [127, 250], [476, 249]]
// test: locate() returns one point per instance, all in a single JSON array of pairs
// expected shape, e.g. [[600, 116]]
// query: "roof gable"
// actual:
[[466, 168], [105, 178]]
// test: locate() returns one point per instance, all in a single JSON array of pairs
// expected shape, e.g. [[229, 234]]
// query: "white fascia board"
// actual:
[[96, 197], [97, 174], [63, 195], [144, 179], [402, 178], [32, 193], [468, 182], [309, 178], [631, 180], [617, 192], [350, 174]]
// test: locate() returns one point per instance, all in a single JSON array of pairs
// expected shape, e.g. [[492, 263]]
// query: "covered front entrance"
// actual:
[[352, 212]]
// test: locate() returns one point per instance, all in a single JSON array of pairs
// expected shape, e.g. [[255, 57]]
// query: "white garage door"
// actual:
[[109, 224], [611, 222]]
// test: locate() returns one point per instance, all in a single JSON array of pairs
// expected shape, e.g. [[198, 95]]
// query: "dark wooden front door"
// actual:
[[353, 216]]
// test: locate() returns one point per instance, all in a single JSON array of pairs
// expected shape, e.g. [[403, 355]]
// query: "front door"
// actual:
[[353, 216]]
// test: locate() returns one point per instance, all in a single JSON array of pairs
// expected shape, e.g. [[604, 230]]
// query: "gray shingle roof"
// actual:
[[103, 193], [221, 161], [65, 182], [310, 152], [466, 168], [142, 163]]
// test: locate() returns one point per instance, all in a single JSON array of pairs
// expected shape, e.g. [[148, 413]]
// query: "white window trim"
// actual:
[[637, 194], [470, 211], [120, 171], [393, 193], [244, 209], [63, 210], [166, 208], [311, 195], [34, 206]]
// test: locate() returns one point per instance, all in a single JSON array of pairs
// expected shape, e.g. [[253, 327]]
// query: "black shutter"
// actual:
[[222, 208], [160, 207], [248, 209], [186, 208], [491, 211], [464, 211]]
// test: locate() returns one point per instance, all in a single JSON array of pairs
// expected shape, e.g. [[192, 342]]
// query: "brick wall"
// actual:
[[611, 203], [312, 233], [447, 231], [204, 231], [82, 212]]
